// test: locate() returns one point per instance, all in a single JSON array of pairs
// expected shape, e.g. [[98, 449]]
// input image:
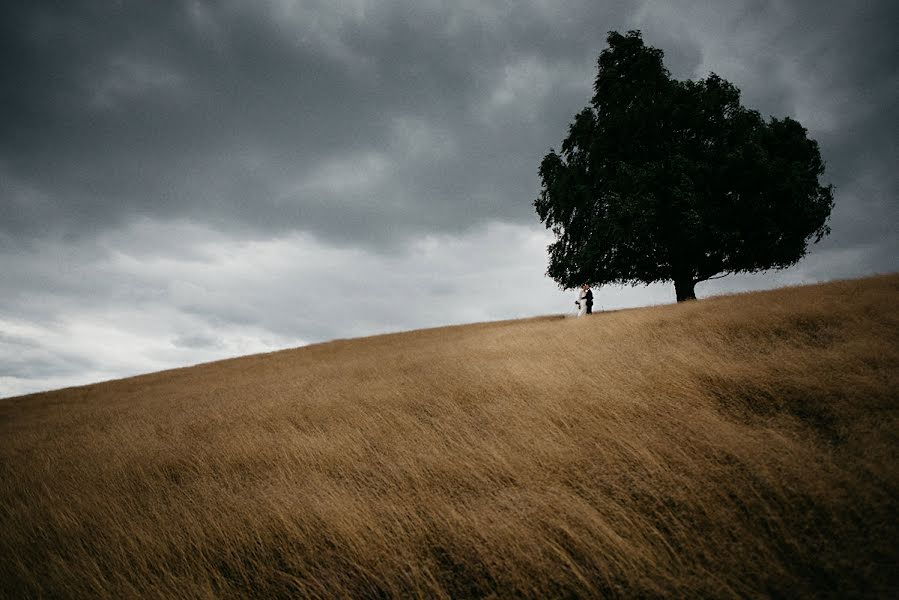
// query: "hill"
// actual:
[[735, 446]]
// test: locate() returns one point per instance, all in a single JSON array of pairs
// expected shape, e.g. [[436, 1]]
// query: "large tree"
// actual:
[[667, 180]]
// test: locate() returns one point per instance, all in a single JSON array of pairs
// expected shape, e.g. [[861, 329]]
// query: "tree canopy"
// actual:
[[666, 180]]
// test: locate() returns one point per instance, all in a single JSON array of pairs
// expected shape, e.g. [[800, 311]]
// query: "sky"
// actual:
[[183, 181]]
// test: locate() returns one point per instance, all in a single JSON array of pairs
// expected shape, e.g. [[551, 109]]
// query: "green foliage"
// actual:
[[667, 180]]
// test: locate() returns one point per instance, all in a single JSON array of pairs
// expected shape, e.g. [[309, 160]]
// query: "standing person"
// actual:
[[581, 302], [588, 298]]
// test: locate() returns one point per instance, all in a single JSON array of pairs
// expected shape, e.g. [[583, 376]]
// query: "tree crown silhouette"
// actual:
[[667, 180]]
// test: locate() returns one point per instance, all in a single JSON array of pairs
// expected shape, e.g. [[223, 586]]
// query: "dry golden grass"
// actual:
[[731, 447]]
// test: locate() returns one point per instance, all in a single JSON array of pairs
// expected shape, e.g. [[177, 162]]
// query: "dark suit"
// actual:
[[589, 298]]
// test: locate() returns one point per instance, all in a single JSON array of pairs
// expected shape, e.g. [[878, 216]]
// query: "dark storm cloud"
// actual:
[[367, 122], [255, 118]]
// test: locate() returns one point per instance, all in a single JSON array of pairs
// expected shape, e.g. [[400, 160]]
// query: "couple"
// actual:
[[584, 301]]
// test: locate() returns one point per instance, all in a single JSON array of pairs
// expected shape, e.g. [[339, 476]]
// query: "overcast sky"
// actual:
[[186, 181]]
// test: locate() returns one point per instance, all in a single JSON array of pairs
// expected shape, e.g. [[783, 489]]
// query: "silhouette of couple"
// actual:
[[584, 301]]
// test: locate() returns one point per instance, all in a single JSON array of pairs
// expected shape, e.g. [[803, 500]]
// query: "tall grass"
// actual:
[[731, 447]]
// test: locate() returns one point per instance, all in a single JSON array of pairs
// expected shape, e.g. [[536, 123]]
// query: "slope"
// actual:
[[735, 446]]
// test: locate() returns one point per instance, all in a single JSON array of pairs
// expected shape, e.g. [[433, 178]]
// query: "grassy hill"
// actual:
[[736, 446]]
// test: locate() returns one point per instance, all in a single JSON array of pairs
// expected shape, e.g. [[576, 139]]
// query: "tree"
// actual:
[[667, 180]]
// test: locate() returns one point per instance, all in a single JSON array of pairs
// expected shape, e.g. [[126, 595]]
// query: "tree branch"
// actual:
[[718, 276]]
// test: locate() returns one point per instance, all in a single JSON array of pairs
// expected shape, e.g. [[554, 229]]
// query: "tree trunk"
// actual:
[[683, 287]]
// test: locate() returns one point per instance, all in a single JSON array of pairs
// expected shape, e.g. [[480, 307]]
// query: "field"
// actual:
[[731, 447]]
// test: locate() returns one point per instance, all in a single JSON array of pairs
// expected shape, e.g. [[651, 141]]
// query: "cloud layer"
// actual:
[[183, 181]]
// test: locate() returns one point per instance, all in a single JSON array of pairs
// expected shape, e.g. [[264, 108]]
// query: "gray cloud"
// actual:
[[201, 295], [159, 162], [224, 112]]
